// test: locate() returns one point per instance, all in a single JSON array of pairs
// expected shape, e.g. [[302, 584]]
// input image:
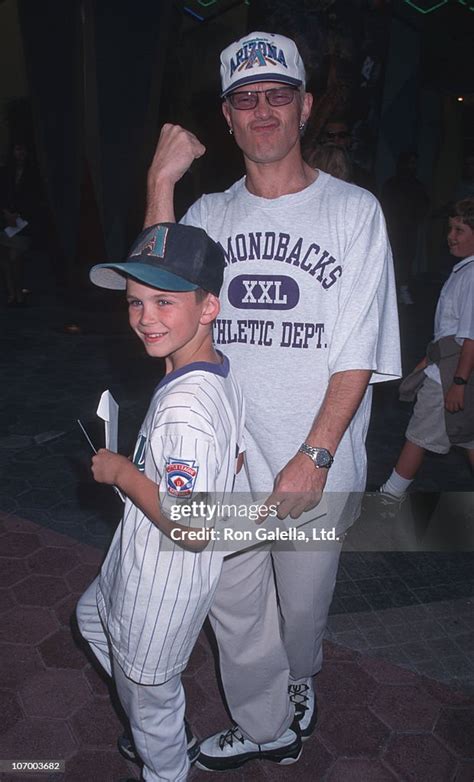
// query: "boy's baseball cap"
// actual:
[[168, 256], [261, 57]]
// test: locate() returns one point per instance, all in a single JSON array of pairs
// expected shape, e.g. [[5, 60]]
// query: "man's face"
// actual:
[[267, 134], [460, 238], [337, 133]]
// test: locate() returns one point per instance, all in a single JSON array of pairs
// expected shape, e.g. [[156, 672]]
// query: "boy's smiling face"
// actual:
[[460, 238], [171, 325]]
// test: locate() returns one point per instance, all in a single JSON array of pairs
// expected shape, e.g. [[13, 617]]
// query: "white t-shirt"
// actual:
[[153, 595], [308, 291], [454, 315]]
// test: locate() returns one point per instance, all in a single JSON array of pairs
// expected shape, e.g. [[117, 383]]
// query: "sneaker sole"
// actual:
[[309, 730], [214, 764], [192, 750]]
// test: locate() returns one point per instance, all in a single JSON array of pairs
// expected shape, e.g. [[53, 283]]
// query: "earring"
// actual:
[[231, 131], [302, 125]]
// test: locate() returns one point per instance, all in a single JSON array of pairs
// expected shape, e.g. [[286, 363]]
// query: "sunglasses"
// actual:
[[337, 134], [277, 96]]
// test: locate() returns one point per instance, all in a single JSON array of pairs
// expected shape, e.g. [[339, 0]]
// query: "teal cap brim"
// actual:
[[114, 276]]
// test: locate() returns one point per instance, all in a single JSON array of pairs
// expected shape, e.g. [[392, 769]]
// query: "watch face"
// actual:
[[323, 458]]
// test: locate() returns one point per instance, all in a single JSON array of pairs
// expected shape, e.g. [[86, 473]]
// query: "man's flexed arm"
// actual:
[[175, 151], [299, 485]]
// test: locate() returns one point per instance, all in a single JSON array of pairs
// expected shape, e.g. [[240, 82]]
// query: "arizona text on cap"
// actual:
[[168, 256], [261, 57]]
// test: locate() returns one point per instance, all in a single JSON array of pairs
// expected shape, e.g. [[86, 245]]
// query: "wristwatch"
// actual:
[[319, 456], [459, 381]]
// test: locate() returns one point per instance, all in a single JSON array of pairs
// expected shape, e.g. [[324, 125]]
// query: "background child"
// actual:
[[143, 613], [444, 379]]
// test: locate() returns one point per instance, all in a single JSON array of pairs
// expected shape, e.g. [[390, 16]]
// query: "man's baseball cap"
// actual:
[[261, 57], [168, 256]]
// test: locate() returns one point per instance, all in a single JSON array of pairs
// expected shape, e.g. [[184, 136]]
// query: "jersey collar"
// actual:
[[461, 264], [221, 369]]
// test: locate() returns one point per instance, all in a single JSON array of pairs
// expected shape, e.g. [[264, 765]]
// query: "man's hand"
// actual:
[[109, 467], [174, 153], [298, 487], [454, 399]]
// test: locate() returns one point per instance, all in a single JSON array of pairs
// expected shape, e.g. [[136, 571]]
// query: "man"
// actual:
[[308, 319], [336, 131]]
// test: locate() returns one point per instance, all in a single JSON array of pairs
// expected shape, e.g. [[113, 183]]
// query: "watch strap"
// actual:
[[313, 452]]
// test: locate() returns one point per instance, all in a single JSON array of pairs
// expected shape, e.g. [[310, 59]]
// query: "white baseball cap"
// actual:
[[261, 57]]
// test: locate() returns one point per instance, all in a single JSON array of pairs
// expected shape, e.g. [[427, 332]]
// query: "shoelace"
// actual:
[[229, 736], [298, 697]]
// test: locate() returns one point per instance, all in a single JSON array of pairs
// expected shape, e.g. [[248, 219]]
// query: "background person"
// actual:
[[444, 410], [19, 197]]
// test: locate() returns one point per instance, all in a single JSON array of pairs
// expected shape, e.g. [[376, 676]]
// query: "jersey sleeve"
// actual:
[[366, 333], [184, 457]]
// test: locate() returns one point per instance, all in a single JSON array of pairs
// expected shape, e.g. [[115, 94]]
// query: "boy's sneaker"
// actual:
[[126, 746], [224, 751], [303, 698]]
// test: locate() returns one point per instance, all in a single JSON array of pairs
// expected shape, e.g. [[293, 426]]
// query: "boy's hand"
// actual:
[[421, 364], [109, 467], [454, 399]]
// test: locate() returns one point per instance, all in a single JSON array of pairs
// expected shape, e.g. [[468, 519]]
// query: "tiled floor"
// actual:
[[377, 721], [396, 689]]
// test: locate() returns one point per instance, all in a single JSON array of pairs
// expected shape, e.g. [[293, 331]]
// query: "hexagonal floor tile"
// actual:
[[418, 757], [65, 611], [352, 732], [55, 694], [360, 770], [38, 738], [12, 571], [38, 499], [27, 625], [61, 651], [19, 544], [455, 727], [340, 683], [40, 590], [100, 766], [11, 710], [80, 578], [96, 724], [405, 708], [18, 662], [53, 561], [6, 600]]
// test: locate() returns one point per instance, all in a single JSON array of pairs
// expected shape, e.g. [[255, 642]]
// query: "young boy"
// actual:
[[142, 614], [444, 379]]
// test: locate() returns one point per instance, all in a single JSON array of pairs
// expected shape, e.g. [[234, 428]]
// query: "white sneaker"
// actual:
[[224, 751], [404, 296], [303, 697], [390, 503]]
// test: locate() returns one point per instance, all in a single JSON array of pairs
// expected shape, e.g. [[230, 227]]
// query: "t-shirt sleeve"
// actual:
[[465, 328], [196, 214], [185, 463], [366, 333]]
